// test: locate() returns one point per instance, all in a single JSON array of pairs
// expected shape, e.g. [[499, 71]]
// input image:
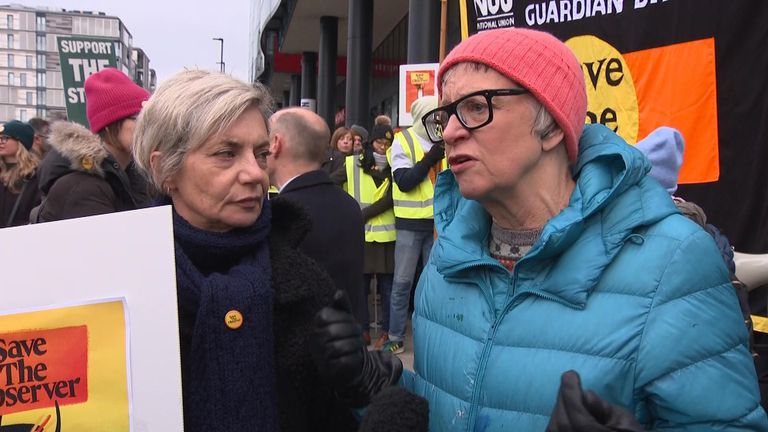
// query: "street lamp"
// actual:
[[221, 56]]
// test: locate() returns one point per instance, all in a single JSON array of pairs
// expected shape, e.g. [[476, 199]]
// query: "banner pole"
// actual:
[[443, 27]]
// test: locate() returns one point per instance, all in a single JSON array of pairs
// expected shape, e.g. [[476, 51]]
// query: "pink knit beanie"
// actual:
[[111, 96], [537, 61]]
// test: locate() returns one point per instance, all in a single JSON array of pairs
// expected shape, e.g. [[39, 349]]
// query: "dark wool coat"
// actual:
[[80, 178], [302, 288], [337, 236], [30, 197]]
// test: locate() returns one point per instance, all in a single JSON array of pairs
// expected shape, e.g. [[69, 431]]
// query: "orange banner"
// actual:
[[676, 86], [41, 367]]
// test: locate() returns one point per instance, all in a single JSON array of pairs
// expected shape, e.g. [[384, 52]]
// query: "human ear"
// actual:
[[551, 140], [154, 165], [276, 146]]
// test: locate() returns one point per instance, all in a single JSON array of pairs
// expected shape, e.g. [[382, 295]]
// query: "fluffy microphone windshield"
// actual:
[[395, 409]]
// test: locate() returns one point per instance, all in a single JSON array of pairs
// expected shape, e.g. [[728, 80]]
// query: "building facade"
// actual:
[[143, 75], [30, 73], [343, 56]]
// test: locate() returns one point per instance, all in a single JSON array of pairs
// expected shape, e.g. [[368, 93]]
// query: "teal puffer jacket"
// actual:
[[620, 287]]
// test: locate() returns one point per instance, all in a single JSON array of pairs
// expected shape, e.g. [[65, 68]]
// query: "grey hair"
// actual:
[[544, 124], [186, 110]]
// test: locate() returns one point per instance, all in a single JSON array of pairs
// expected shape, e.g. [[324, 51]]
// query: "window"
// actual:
[[11, 79], [30, 95], [23, 115], [29, 62], [41, 112], [10, 41], [41, 61], [23, 79], [40, 43], [41, 79], [41, 97], [41, 23], [10, 60], [9, 18]]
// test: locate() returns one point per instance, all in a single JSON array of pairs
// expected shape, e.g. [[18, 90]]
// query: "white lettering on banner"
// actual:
[[639, 4], [83, 68], [554, 11], [492, 14], [76, 95], [86, 47], [483, 7]]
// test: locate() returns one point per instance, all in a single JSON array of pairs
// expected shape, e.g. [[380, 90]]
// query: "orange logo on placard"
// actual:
[[41, 367], [419, 83]]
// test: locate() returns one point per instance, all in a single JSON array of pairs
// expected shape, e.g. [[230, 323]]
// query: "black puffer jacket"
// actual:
[[80, 178]]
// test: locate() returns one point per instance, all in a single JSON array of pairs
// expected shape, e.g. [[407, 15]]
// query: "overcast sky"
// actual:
[[177, 33]]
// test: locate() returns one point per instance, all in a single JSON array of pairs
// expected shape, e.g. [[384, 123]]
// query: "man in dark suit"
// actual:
[[298, 143]]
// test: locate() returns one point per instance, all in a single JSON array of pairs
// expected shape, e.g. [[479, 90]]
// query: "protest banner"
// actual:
[[89, 335], [65, 365], [81, 58], [695, 65], [416, 80]]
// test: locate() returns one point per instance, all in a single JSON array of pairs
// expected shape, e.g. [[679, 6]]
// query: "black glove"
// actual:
[[342, 359], [579, 411], [435, 154]]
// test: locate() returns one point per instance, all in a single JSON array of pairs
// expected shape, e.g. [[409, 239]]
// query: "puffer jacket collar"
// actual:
[[610, 182], [75, 148]]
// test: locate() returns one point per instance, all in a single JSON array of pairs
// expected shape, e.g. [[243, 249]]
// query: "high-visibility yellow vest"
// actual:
[[416, 203], [272, 192], [380, 228]]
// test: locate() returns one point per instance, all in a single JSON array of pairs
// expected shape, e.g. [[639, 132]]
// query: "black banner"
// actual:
[[726, 139]]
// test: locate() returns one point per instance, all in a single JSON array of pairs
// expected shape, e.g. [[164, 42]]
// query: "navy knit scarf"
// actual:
[[228, 376]]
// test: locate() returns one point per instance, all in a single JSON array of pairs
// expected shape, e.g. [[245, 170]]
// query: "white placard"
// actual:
[[310, 104], [416, 80], [127, 254]]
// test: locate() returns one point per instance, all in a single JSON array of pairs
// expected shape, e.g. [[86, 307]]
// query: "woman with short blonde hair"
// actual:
[[247, 296], [195, 107]]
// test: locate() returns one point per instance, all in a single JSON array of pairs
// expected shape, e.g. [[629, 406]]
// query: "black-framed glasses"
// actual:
[[474, 111]]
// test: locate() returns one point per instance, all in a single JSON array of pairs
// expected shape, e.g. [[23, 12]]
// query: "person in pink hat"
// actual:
[[564, 291], [91, 172]]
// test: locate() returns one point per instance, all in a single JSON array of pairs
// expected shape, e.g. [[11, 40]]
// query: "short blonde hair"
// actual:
[[185, 111]]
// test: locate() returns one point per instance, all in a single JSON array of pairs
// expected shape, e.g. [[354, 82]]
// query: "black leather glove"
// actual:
[[580, 411], [435, 154], [342, 359]]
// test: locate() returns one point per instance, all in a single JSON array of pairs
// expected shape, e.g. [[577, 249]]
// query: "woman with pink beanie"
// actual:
[[92, 172], [564, 291]]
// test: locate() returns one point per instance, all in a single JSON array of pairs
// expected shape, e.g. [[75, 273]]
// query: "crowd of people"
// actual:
[[562, 289]]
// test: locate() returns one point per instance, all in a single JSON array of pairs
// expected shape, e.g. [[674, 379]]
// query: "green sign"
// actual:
[[81, 58]]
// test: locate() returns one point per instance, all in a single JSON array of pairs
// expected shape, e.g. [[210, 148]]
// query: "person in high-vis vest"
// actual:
[[415, 162], [367, 178]]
